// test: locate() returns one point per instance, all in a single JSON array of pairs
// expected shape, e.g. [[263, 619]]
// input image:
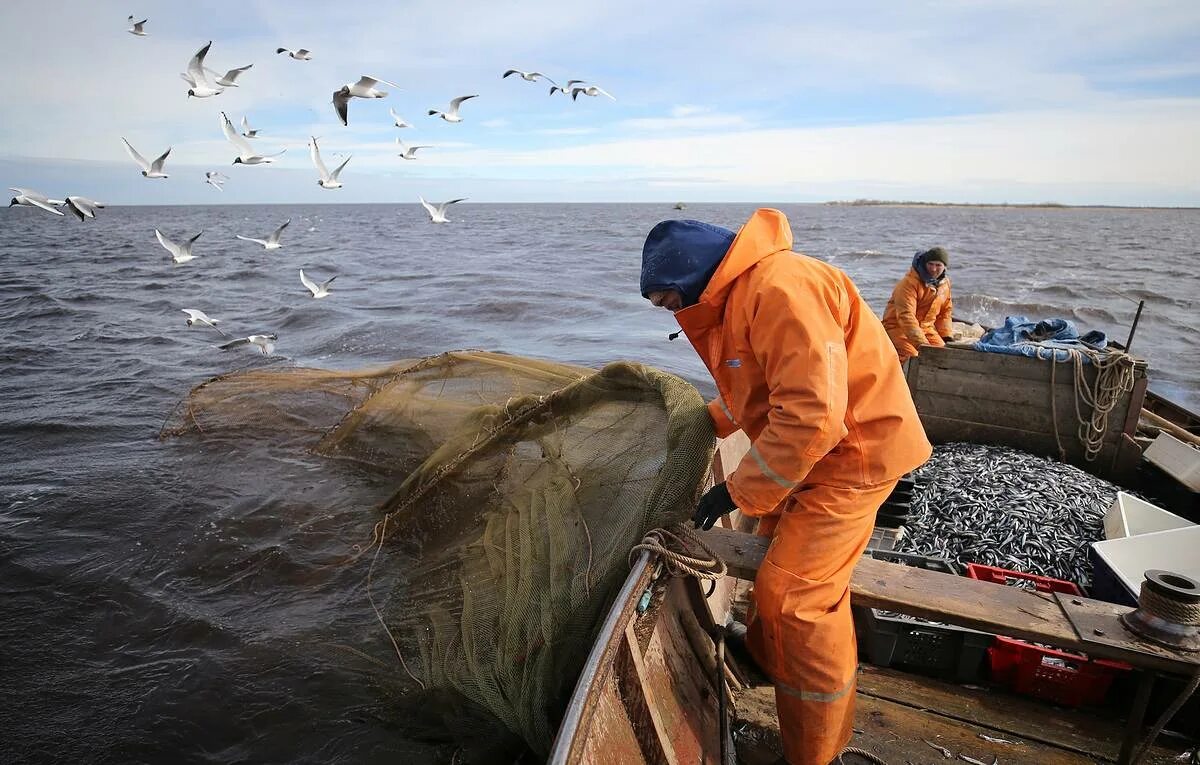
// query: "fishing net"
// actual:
[[517, 488]]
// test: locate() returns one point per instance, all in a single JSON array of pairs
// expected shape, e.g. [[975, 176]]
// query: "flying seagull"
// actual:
[[248, 131], [328, 180], [246, 155], [272, 241], [409, 152], [229, 79], [265, 343], [215, 179], [364, 88], [318, 290], [299, 55], [528, 76], [590, 90], [398, 120], [437, 212], [566, 89], [451, 115], [31, 198], [198, 78], [138, 27], [149, 169], [83, 207], [180, 253], [196, 316]]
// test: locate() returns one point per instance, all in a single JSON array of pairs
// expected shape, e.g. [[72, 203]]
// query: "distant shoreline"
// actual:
[[1045, 205]]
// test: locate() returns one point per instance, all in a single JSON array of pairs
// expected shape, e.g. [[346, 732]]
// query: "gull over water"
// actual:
[[318, 289], [364, 88], [451, 114], [264, 343], [409, 152], [197, 77], [138, 27], [180, 253], [31, 198], [437, 210], [397, 120], [216, 180], [196, 316], [272, 241], [246, 154], [83, 207], [149, 169], [300, 55], [247, 131], [327, 180]]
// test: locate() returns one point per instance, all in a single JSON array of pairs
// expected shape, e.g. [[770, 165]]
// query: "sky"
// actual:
[[983, 101]]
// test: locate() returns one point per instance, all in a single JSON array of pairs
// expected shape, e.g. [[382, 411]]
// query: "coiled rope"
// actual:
[[1169, 608], [1115, 376], [675, 547]]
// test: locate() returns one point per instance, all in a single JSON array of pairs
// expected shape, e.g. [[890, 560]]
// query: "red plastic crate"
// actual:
[[1004, 576], [1063, 678]]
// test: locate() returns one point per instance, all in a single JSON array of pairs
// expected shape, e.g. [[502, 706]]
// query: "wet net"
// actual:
[[515, 489]]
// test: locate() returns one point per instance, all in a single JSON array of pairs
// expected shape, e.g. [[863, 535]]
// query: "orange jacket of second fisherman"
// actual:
[[804, 367], [918, 312]]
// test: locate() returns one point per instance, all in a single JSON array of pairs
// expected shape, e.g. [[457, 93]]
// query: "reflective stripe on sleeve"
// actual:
[[768, 472]]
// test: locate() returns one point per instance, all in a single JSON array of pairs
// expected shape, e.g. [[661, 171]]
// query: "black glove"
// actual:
[[715, 503], [947, 339]]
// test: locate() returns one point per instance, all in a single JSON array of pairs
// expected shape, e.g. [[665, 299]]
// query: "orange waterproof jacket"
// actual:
[[804, 367], [918, 311]]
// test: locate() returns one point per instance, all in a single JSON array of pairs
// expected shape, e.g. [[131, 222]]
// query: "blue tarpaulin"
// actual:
[[1046, 339]]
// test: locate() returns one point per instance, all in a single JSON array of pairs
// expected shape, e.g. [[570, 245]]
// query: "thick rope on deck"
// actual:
[[1115, 376], [675, 546]]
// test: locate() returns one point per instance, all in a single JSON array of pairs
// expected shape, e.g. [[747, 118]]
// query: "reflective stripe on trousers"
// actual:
[[802, 634]]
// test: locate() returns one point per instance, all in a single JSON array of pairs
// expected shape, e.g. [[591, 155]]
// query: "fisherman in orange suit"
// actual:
[[919, 311], [805, 368]]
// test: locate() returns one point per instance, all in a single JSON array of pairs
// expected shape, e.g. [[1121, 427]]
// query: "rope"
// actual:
[[861, 753], [1169, 608], [1115, 376], [659, 542]]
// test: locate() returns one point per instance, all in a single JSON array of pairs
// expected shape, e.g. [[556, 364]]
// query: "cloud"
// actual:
[[952, 98]]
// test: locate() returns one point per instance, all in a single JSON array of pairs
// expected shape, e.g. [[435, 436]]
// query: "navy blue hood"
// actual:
[[682, 255], [918, 265]]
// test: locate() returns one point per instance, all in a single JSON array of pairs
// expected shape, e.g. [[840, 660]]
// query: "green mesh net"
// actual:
[[519, 487]]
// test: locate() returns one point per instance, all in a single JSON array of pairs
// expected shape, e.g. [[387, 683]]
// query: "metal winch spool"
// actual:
[[1168, 611]]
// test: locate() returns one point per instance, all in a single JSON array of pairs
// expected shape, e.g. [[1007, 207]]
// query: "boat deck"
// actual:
[[898, 712]]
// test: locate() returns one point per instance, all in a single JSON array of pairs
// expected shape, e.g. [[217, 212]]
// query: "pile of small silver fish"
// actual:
[[1004, 507]]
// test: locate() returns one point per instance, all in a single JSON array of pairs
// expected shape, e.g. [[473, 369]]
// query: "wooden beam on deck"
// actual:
[[964, 602]]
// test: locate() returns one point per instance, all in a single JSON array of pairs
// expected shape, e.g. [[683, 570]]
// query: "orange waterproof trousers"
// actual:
[[802, 634]]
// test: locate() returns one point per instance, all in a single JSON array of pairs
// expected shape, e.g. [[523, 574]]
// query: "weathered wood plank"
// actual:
[[995, 608], [643, 708], [1001, 364], [1081, 731], [1008, 414], [895, 732], [943, 429]]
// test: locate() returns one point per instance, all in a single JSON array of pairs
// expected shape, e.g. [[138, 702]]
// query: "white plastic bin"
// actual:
[[1177, 550], [1177, 459], [1129, 516]]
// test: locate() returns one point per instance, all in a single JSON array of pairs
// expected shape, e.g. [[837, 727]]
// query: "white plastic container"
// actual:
[[1177, 550], [1176, 459], [1129, 516]]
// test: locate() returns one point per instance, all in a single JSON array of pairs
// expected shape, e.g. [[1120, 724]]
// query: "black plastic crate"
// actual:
[[895, 640], [927, 562], [952, 653]]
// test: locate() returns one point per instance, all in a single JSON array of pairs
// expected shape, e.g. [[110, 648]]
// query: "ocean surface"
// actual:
[[165, 604]]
